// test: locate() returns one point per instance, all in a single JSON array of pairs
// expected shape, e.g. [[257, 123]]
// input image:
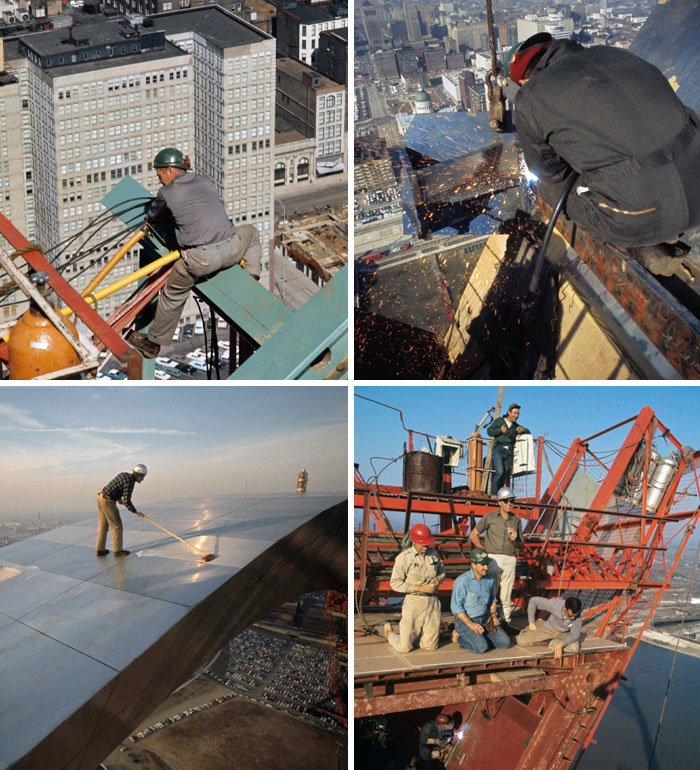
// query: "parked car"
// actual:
[[115, 374], [199, 365], [186, 368], [199, 328], [161, 375]]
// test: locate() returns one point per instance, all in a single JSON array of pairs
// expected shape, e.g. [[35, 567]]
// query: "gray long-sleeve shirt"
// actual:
[[557, 621], [199, 214]]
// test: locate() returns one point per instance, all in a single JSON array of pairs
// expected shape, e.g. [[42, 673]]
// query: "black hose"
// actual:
[[539, 259]]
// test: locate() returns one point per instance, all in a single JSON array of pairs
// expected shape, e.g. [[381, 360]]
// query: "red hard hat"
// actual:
[[521, 54], [421, 534]]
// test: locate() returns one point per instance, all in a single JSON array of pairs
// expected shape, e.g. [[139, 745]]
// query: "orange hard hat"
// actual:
[[421, 534]]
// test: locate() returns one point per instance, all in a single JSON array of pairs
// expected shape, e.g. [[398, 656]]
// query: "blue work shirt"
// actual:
[[472, 596]]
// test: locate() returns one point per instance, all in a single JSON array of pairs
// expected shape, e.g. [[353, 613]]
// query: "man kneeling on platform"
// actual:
[[562, 629], [475, 607], [417, 572]]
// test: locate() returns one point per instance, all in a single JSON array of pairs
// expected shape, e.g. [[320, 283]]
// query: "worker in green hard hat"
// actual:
[[614, 120], [207, 239]]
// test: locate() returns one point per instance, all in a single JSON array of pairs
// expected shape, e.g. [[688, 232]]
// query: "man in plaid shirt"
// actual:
[[119, 490]]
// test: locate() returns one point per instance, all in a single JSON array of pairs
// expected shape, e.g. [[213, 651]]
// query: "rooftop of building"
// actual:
[[297, 69], [374, 175], [341, 32], [213, 22], [321, 238], [62, 40], [12, 53], [316, 14], [261, 7]]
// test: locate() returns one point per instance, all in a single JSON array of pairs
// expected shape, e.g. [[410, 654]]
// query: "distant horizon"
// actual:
[[62, 444]]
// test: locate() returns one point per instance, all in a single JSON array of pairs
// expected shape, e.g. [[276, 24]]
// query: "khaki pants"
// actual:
[[502, 570], [108, 517], [196, 263], [528, 638], [420, 617]]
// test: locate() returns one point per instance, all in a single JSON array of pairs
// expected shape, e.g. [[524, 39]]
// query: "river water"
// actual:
[[626, 734]]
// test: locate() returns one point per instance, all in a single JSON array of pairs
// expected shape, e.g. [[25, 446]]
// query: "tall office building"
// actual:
[[410, 10], [371, 25], [233, 66], [97, 102]]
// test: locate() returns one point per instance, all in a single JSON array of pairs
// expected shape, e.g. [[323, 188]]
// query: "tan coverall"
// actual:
[[108, 518], [421, 612]]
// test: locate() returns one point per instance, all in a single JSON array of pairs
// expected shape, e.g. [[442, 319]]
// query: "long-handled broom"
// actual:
[[205, 556]]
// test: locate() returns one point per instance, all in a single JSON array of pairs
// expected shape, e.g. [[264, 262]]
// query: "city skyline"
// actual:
[[62, 445]]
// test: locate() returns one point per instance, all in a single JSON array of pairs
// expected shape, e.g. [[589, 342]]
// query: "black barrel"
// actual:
[[422, 472]]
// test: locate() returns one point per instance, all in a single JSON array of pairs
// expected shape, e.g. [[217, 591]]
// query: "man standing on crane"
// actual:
[[474, 606], [504, 431], [207, 239], [417, 573], [503, 539], [119, 490], [612, 118]]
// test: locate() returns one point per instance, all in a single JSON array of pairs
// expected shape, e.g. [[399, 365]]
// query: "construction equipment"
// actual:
[[603, 529], [205, 556]]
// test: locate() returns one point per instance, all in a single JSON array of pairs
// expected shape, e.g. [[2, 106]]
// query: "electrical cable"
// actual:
[[204, 329], [675, 655], [214, 343]]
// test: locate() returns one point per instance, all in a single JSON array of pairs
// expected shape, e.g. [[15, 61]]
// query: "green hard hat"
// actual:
[[479, 556], [170, 157]]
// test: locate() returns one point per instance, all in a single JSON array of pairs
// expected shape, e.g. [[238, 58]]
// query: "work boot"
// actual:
[[660, 259], [122, 553], [141, 343], [102, 553]]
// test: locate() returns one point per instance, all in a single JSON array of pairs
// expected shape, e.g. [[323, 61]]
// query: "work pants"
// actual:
[[108, 518], [502, 570], [420, 617], [199, 262], [470, 640], [527, 638], [501, 463]]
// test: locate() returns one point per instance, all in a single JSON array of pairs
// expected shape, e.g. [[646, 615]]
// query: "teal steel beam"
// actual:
[[309, 344], [318, 330]]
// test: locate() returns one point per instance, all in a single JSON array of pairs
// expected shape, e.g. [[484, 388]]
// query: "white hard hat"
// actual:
[[504, 493], [140, 469]]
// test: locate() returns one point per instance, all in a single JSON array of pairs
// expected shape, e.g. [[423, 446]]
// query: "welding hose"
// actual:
[[539, 259]]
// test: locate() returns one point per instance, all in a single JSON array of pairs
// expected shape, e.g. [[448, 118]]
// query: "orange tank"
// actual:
[[37, 347]]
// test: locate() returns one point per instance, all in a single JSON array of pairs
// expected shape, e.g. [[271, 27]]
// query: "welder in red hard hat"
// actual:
[[417, 573], [612, 118]]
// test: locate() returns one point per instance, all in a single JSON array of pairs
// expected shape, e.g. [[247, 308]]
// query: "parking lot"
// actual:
[[279, 672], [187, 357]]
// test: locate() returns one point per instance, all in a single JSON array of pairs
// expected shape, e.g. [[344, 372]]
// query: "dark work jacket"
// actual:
[[199, 214], [615, 120], [504, 439]]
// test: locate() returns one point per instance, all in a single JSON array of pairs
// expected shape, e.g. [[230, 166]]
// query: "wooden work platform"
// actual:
[[375, 657]]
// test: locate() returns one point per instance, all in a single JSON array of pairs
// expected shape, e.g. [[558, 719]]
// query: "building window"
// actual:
[[279, 174], [303, 169]]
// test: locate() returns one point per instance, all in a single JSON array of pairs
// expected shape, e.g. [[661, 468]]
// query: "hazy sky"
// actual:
[[559, 413], [60, 444]]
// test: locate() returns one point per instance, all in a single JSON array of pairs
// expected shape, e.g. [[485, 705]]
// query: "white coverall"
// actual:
[[421, 612]]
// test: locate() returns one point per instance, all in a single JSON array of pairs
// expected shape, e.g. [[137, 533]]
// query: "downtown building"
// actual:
[[97, 101], [299, 29]]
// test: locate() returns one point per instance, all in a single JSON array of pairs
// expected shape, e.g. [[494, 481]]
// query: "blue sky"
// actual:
[[60, 444], [559, 413]]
